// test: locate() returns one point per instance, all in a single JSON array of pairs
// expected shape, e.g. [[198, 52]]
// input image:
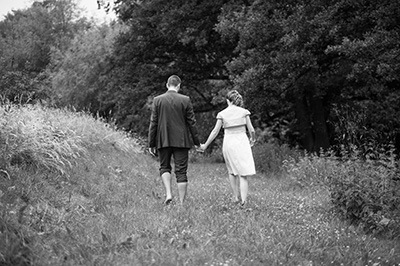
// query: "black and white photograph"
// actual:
[[199, 133]]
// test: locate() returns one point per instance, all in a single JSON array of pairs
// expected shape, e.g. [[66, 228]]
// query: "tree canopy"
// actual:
[[27, 39], [165, 38], [304, 61]]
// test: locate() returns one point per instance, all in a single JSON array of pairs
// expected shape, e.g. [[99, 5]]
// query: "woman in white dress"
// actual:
[[236, 147]]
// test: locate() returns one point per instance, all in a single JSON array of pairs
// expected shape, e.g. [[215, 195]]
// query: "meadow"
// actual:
[[74, 190]]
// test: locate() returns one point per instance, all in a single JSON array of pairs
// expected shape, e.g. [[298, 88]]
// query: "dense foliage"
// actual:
[[79, 74], [164, 38], [310, 62], [315, 73], [28, 38], [303, 66], [364, 192]]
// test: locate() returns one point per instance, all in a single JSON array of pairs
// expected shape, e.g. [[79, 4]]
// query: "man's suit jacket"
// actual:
[[172, 121]]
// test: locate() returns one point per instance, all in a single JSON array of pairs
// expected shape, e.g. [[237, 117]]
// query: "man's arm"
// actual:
[[191, 121], [152, 138]]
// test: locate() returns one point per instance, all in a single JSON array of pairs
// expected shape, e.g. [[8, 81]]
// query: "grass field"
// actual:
[[106, 209]]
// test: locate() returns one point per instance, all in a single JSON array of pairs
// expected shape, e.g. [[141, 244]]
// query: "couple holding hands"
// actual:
[[171, 124]]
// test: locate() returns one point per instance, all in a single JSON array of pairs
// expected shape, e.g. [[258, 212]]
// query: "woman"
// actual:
[[236, 147]]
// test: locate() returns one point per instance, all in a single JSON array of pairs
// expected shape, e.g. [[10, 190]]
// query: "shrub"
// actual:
[[270, 157], [310, 170], [366, 192]]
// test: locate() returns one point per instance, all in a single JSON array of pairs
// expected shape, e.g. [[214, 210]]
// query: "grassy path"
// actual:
[[282, 225], [109, 211], [286, 225]]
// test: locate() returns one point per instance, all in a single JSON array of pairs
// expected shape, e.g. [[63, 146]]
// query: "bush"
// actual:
[[366, 192], [270, 157], [310, 170]]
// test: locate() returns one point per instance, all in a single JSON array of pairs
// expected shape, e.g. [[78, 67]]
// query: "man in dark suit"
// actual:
[[171, 124]]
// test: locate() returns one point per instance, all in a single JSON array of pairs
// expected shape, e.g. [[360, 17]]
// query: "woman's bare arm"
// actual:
[[213, 134], [251, 130]]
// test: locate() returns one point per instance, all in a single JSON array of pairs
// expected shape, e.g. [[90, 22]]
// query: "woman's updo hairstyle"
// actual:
[[235, 98]]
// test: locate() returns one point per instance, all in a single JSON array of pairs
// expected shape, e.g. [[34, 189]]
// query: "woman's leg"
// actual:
[[234, 180], [244, 188]]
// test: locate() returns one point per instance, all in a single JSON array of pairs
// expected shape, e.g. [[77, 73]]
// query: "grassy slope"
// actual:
[[107, 210]]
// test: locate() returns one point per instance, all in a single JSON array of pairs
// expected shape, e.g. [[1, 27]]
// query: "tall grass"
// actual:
[[270, 157], [58, 167], [53, 138]]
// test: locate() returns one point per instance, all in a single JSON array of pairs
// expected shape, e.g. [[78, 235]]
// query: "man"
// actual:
[[171, 124]]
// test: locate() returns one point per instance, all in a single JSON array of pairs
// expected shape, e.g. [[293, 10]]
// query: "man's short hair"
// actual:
[[174, 80]]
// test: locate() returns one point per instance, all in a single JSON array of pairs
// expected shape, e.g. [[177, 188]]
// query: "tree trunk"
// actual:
[[304, 124], [311, 122], [320, 129]]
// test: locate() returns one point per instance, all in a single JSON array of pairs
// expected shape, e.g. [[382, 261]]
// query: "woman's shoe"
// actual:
[[244, 207]]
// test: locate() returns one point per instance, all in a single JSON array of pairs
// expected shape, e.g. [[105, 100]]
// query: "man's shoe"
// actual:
[[167, 201]]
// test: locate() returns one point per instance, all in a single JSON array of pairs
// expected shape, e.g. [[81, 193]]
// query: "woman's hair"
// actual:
[[235, 98]]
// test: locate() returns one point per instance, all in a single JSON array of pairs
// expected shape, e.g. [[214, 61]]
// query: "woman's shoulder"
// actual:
[[221, 113], [242, 110], [233, 111]]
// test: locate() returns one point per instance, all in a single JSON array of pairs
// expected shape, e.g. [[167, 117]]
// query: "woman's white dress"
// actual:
[[236, 147]]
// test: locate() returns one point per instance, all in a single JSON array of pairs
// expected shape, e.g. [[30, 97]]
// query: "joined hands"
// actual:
[[201, 148]]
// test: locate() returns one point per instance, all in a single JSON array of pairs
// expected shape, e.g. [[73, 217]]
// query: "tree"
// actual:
[[27, 38], [164, 38], [373, 73], [78, 74], [291, 64]]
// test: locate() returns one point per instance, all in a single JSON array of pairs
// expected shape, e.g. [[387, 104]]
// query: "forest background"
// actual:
[[314, 74]]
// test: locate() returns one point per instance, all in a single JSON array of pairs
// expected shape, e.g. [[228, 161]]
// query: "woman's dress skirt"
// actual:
[[237, 152]]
